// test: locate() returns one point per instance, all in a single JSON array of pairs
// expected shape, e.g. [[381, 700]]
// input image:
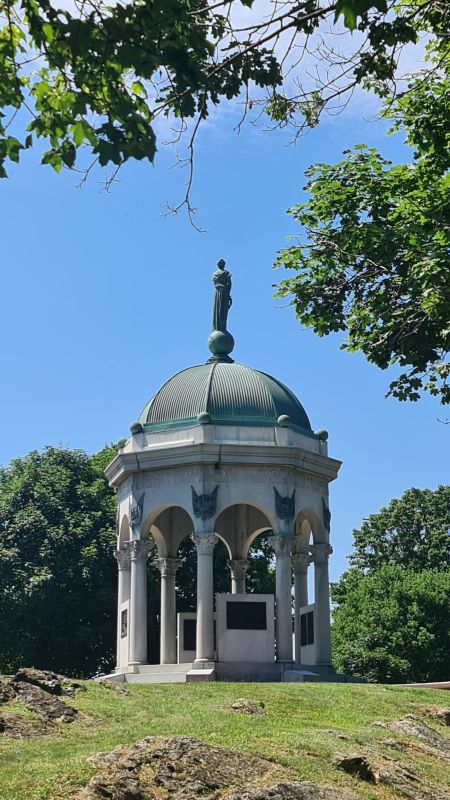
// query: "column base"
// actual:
[[204, 663]]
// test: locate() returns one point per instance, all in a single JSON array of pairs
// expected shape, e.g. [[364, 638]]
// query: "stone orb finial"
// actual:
[[204, 418], [322, 435], [284, 421], [136, 427], [221, 343]]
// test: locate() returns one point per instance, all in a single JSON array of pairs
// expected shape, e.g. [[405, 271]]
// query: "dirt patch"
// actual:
[[182, 768]]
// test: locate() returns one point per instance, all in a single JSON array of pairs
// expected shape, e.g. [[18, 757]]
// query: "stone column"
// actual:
[[168, 621], [238, 567], [282, 544], [123, 591], [300, 563], [139, 550], [205, 543], [322, 628]]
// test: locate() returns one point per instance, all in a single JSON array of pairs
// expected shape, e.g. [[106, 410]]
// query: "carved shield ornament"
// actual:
[[284, 506], [204, 505]]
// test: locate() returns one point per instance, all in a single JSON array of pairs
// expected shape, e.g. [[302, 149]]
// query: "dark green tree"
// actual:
[[57, 574], [391, 615], [394, 626]]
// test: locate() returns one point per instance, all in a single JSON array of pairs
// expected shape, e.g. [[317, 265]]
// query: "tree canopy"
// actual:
[[391, 620], [57, 573], [98, 76], [372, 260]]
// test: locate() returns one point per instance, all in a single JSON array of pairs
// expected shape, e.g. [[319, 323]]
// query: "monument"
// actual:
[[224, 451]]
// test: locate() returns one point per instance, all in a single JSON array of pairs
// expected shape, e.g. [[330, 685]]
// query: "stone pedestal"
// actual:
[[205, 543], [282, 544], [300, 564], [168, 621], [139, 550], [238, 568], [322, 628]]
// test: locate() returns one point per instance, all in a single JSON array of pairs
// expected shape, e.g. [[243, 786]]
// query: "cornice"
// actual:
[[126, 464]]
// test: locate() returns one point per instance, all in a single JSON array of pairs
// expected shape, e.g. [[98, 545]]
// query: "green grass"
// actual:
[[300, 731]]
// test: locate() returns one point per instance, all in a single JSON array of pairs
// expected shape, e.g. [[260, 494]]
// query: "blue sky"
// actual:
[[104, 298]]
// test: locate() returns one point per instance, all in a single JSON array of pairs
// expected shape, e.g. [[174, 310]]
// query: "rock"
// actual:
[[244, 706], [46, 680], [7, 693], [355, 764], [430, 741], [293, 791], [444, 715], [115, 686], [16, 726], [40, 701], [178, 767]]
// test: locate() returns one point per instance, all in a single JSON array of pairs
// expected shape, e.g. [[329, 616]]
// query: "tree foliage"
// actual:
[[394, 626], [57, 574], [373, 258], [97, 76], [391, 620]]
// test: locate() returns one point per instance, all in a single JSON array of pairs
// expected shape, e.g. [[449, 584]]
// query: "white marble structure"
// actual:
[[222, 451]]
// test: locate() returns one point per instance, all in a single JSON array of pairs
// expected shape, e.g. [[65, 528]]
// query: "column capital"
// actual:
[[168, 566], [139, 549], [281, 543], [320, 552], [238, 567], [205, 543], [301, 562], [123, 558]]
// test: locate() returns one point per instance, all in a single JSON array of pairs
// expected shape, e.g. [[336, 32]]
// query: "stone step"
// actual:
[[149, 669], [155, 677]]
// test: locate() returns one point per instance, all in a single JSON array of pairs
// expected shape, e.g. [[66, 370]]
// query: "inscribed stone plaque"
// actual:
[[190, 634], [124, 623], [246, 616], [307, 628]]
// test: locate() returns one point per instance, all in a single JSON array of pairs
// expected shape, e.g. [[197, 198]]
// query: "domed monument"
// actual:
[[224, 451]]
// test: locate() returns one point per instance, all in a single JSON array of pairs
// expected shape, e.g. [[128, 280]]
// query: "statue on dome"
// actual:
[[222, 297]]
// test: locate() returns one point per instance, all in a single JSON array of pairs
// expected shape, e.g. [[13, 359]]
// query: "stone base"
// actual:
[[249, 672]]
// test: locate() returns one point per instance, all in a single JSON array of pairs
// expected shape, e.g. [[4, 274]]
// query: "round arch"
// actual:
[[306, 523], [236, 525], [124, 532], [168, 525]]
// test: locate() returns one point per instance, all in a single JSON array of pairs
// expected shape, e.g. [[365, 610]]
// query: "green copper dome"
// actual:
[[223, 393]]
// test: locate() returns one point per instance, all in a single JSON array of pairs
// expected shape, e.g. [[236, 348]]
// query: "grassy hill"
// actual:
[[303, 727]]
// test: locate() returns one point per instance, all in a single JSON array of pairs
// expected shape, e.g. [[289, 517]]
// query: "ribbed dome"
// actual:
[[230, 393]]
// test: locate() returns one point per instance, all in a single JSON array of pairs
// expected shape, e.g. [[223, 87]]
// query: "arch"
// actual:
[[124, 532], [170, 526], [253, 537], [236, 524], [307, 522]]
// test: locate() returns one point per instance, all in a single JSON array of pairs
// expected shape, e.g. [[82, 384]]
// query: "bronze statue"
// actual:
[[222, 297]]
